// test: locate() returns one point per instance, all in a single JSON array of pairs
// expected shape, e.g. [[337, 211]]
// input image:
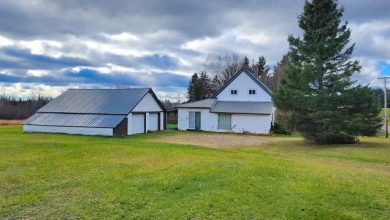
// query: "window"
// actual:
[[224, 121], [252, 92], [233, 92]]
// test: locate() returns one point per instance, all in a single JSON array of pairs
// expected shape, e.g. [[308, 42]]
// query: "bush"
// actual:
[[279, 129]]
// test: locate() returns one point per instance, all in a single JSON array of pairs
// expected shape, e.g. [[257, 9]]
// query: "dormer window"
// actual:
[[233, 92], [252, 92]]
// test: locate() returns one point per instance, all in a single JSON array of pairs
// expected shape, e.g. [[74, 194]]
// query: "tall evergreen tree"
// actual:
[[199, 87], [193, 88], [205, 86], [245, 62], [262, 68], [325, 105]]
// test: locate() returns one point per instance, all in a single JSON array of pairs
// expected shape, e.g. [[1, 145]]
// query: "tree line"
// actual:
[[17, 108]]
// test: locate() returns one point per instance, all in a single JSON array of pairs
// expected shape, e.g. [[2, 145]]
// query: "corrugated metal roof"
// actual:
[[96, 101], [75, 120], [205, 103], [242, 107]]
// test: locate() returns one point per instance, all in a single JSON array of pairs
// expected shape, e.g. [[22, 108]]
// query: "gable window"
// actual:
[[225, 121], [233, 92], [252, 92]]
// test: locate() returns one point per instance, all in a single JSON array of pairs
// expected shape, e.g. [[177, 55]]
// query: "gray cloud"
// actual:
[[121, 37]]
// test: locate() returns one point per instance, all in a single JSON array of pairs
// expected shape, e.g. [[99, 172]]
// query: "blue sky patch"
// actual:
[[384, 68]]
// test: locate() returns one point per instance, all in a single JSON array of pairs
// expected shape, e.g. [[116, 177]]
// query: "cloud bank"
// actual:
[[49, 46]]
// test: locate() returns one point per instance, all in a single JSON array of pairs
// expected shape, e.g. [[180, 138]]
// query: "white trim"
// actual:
[[129, 124]]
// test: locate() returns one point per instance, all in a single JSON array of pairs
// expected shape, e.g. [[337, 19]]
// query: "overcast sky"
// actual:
[[47, 46]]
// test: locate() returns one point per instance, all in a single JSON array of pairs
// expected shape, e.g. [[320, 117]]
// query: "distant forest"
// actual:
[[17, 108]]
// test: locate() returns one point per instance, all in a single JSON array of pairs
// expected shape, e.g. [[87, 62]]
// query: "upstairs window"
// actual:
[[252, 92], [233, 92]]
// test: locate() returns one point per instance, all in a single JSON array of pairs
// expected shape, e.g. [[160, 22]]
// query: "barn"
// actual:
[[108, 112]]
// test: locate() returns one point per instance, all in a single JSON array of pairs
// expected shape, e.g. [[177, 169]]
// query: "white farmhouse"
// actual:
[[243, 104], [108, 112]]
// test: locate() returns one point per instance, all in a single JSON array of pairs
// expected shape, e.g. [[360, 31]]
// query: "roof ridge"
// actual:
[[108, 88]]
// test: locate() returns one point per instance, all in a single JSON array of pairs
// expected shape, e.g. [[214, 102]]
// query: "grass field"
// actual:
[[68, 176], [172, 126], [382, 113]]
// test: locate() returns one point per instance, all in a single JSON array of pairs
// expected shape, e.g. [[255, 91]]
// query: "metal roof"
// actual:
[[242, 107], [75, 120], [96, 101], [205, 103]]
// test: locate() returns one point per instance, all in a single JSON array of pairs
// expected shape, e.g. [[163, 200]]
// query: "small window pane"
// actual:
[[252, 92], [233, 92]]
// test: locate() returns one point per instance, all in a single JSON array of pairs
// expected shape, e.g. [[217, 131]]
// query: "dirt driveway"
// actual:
[[10, 122], [218, 140]]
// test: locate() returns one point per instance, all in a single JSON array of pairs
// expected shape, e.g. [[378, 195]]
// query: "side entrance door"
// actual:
[[194, 120]]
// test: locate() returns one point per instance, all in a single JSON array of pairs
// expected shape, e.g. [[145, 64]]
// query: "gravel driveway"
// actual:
[[218, 140]]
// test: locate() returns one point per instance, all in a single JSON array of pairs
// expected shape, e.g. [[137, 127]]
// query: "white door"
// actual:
[[138, 123], [153, 121]]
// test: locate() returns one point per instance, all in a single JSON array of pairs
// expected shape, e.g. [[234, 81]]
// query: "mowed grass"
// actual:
[[382, 113], [69, 176]]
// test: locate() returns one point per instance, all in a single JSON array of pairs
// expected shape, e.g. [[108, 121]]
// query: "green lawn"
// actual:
[[172, 126], [68, 176], [382, 113]]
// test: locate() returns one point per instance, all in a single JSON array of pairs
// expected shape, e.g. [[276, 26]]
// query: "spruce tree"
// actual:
[[205, 88], [199, 87], [262, 68], [245, 62], [322, 100], [192, 90]]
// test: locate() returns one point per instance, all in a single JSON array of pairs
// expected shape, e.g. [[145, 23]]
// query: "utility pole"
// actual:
[[385, 104]]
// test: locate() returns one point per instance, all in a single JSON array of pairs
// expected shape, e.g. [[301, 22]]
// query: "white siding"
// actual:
[[259, 124], [130, 124], [162, 120], [147, 104], [69, 130], [242, 84], [209, 121]]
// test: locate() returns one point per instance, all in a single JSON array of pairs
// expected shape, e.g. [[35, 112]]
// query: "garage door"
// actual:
[[153, 121], [138, 123]]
